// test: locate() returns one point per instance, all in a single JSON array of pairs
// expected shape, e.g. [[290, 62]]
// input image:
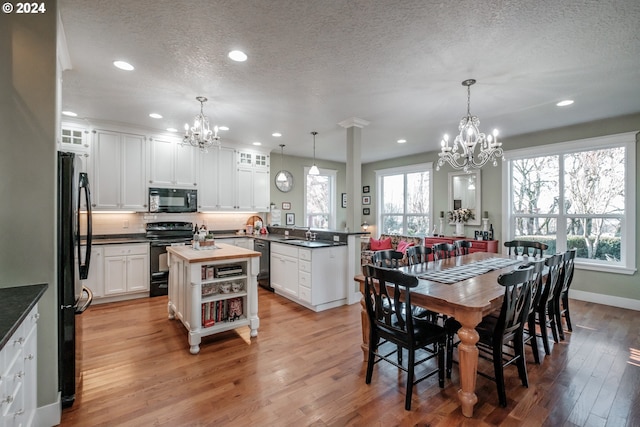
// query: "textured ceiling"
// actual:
[[314, 63]]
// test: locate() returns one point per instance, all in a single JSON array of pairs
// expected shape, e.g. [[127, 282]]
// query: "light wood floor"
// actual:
[[306, 368]]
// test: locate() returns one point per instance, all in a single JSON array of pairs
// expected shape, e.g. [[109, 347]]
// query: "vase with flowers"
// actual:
[[459, 217]]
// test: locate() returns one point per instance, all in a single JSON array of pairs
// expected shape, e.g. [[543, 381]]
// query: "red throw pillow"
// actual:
[[402, 246], [378, 245]]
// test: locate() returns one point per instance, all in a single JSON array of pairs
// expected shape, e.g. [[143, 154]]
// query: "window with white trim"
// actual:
[[578, 194], [319, 196], [404, 197]]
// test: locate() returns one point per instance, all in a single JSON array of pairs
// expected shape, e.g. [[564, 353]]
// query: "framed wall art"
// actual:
[[365, 189], [286, 206], [290, 219], [366, 211], [366, 200], [344, 200]]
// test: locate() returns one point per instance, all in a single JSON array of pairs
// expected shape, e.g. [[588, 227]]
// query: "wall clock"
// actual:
[[284, 185]]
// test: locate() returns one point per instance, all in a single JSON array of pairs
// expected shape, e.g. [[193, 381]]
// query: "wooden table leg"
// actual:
[[364, 318], [468, 357]]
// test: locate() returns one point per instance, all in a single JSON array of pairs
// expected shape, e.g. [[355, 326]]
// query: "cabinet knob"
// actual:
[[29, 357], [19, 341]]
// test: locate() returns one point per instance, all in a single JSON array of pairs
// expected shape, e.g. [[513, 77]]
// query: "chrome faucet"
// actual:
[[308, 234]]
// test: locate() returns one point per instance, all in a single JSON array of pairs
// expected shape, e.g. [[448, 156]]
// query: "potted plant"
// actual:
[[459, 217]]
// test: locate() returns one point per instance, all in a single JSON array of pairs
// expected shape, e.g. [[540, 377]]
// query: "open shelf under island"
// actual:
[[213, 290]]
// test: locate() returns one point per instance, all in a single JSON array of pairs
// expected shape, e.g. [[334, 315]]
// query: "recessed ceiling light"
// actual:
[[276, 134], [123, 65], [155, 116], [238, 56], [223, 128], [257, 143], [402, 141], [69, 113], [565, 103], [172, 129]]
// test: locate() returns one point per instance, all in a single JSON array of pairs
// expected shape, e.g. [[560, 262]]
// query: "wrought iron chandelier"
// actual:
[[200, 134], [463, 154]]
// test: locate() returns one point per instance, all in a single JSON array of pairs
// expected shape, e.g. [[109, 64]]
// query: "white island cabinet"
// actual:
[[213, 290], [313, 278]]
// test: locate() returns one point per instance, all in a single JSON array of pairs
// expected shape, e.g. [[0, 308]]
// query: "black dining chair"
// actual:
[[530, 336], [443, 251], [561, 301], [418, 254], [544, 310], [497, 331], [389, 322], [462, 247], [387, 258], [526, 247]]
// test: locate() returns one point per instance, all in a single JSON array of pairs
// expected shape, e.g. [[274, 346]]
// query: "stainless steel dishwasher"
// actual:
[[264, 247]]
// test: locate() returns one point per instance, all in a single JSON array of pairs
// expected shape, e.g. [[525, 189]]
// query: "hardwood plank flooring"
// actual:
[[306, 369]]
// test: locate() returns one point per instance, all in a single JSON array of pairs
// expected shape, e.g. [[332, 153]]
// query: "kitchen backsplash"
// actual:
[[134, 223]]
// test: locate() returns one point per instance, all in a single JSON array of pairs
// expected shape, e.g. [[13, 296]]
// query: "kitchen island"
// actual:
[[213, 290]]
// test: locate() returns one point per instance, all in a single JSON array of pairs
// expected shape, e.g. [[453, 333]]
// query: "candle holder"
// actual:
[[485, 224], [441, 227]]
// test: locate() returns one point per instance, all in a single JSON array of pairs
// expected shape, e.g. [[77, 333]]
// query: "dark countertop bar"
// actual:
[[324, 238], [15, 304]]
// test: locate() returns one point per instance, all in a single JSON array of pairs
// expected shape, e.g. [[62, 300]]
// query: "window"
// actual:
[[579, 194], [320, 206], [404, 199]]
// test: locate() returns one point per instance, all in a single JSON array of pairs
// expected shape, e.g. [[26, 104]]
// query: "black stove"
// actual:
[[161, 235], [167, 232]]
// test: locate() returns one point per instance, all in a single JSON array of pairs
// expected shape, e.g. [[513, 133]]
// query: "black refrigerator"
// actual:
[[74, 255]]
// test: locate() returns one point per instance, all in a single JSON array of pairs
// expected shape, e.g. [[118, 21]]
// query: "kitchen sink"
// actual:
[[307, 243]]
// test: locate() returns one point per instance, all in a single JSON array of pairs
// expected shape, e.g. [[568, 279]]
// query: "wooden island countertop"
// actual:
[[223, 252]]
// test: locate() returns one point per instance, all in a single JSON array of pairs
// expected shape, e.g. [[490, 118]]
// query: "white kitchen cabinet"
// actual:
[[126, 269], [233, 180], [95, 279], [253, 181], [172, 164], [284, 270], [74, 137], [217, 180], [315, 278], [118, 173], [18, 375]]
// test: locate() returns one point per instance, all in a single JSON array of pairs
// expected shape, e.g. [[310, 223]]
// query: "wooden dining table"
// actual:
[[466, 299]]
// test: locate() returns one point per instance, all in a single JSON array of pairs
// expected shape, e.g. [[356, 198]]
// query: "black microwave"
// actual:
[[173, 200]]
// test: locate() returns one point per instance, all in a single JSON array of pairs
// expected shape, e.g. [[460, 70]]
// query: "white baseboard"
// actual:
[[628, 303], [49, 415]]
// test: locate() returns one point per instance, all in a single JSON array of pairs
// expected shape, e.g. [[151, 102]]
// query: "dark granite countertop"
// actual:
[[114, 239], [15, 304]]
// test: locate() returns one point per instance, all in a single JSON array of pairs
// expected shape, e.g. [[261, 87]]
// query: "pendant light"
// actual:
[[314, 169], [281, 176]]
